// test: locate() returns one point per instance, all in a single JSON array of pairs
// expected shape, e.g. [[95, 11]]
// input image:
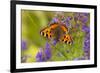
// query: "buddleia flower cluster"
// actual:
[[83, 18], [44, 54]]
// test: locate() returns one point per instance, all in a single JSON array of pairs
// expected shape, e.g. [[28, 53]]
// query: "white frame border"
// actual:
[[20, 65]]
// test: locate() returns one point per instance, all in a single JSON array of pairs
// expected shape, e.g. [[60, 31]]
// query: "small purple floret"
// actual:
[[23, 45]]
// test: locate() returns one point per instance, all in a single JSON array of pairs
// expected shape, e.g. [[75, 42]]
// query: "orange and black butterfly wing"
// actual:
[[48, 31], [64, 28], [67, 39]]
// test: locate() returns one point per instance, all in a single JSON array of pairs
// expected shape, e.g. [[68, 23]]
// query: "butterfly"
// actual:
[[58, 31]]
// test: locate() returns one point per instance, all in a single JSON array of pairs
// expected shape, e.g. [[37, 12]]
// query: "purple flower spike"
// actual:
[[44, 55], [23, 45], [85, 28], [54, 42], [47, 45], [47, 51], [39, 57], [54, 20], [67, 23], [69, 18], [84, 19], [86, 45]]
